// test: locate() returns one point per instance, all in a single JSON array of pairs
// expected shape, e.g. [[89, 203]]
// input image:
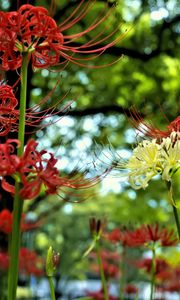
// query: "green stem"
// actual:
[[51, 286], [103, 279], [123, 273], [18, 203], [153, 273], [169, 185]]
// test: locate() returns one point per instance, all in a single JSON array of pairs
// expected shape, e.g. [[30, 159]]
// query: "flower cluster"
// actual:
[[146, 264], [151, 158], [110, 261], [6, 221], [35, 169], [143, 236], [26, 267], [31, 29]]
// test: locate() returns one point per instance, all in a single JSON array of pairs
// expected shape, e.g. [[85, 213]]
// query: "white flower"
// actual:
[[150, 158], [144, 164], [170, 156]]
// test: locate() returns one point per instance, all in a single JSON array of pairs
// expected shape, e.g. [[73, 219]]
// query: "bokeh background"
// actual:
[[98, 123]]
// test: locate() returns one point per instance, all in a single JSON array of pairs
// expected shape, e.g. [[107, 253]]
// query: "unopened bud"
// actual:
[[96, 226], [52, 261]]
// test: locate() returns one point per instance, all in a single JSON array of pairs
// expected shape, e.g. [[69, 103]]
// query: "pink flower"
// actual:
[[32, 30]]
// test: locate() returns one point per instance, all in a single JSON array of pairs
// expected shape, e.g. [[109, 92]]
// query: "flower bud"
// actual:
[[52, 261]]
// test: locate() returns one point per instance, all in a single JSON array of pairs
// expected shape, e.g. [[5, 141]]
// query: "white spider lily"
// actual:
[[150, 158]]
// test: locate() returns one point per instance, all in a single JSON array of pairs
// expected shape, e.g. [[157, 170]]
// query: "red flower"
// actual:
[[8, 163], [173, 287], [100, 295], [29, 262], [36, 170], [125, 237], [8, 113], [6, 220], [111, 270], [152, 233], [32, 30], [131, 289], [146, 264], [149, 130]]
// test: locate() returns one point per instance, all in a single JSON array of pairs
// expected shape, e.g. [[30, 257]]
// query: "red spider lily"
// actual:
[[100, 295], [124, 237], [131, 289], [110, 269], [149, 130], [152, 233], [96, 227], [29, 262], [9, 115], [36, 171], [171, 283], [8, 112], [27, 267], [106, 255], [173, 287], [32, 30], [146, 263], [8, 163], [6, 221]]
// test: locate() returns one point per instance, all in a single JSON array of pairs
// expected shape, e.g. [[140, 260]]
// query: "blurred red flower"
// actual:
[[100, 295], [146, 263], [29, 262], [123, 237], [153, 233], [25, 263], [131, 289], [6, 220]]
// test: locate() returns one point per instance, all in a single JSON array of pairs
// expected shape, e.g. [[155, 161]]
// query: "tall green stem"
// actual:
[[18, 203], [123, 273], [153, 273], [103, 279], [51, 286], [169, 185]]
